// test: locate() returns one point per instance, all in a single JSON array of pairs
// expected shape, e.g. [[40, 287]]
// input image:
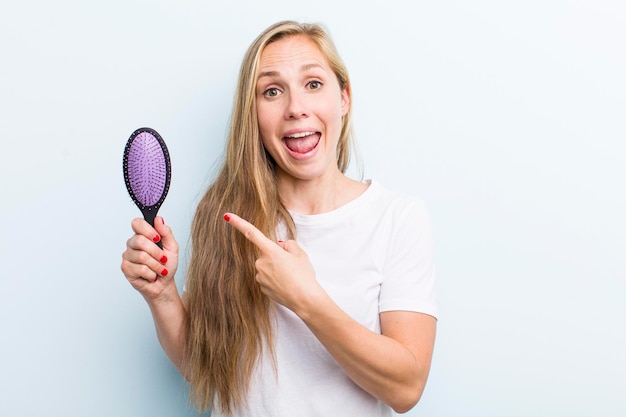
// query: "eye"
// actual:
[[314, 85], [271, 92]]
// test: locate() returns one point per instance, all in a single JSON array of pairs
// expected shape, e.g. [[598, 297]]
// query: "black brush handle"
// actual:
[[149, 215]]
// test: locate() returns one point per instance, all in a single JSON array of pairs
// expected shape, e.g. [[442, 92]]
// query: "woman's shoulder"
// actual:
[[397, 199]]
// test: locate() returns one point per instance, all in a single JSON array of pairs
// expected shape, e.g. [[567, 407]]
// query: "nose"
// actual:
[[296, 105]]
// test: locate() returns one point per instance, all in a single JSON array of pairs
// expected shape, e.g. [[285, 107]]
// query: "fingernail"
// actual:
[[280, 241], [162, 220], [226, 217], [164, 272], [163, 259], [156, 238]]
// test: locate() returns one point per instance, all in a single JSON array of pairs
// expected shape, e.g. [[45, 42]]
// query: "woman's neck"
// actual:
[[319, 195]]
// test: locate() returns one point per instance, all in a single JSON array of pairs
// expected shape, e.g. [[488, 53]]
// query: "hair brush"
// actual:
[[147, 171]]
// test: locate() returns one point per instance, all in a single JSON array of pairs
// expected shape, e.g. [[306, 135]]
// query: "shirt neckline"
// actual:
[[311, 220]]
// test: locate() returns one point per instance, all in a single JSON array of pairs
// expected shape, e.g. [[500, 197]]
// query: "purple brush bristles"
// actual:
[[147, 171]]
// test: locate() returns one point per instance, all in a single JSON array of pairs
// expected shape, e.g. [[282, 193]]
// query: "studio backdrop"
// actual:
[[505, 117]]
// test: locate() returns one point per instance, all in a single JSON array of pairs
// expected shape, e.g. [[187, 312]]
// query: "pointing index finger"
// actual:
[[250, 232]]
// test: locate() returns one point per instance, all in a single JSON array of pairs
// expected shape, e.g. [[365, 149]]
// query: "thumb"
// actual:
[[291, 246], [167, 236]]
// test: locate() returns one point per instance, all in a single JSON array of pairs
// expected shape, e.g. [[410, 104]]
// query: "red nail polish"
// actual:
[[226, 217], [163, 259], [162, 220], [156, 238], [164, 272]]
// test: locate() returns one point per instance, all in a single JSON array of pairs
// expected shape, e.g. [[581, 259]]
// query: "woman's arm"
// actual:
[[170, 317], [150, 270], [392, 366]]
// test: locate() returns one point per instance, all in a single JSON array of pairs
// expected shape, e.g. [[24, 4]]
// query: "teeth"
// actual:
[[300, 135]]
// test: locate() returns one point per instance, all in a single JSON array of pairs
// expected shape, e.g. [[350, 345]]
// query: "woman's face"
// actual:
[[299, 106]]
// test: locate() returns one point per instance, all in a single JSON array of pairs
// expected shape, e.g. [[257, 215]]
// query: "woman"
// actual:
[[320, 302]]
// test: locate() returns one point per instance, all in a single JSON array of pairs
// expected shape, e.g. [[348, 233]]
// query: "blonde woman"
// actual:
[[308, 293]]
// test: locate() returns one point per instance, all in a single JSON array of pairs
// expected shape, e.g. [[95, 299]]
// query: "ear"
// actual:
[[346, 98]]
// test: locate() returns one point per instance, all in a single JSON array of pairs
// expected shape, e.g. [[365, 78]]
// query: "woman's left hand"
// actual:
[[392, 366], [284, 271]]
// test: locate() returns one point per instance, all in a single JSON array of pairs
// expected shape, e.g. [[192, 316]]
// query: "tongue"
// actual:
[[302, 145]]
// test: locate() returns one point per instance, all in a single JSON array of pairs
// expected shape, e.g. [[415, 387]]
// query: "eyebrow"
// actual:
[[303, 68]]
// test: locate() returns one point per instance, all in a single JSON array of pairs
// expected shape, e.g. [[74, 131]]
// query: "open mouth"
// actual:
[[302, 142]]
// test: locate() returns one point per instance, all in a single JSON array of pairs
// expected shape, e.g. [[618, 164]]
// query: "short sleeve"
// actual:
[[409, 270]]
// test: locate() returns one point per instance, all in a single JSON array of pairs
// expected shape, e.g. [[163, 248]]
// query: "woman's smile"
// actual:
[[301, 145]]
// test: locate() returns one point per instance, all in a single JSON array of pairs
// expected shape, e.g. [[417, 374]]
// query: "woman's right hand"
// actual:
[[148, 268]]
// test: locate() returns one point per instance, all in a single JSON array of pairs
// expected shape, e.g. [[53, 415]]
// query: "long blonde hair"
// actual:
[[229, 318]]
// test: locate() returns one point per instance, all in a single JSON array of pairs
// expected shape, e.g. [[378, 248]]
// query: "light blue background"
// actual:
[[507, 117]]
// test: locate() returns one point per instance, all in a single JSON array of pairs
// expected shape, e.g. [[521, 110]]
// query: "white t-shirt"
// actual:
[[371, 255]]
